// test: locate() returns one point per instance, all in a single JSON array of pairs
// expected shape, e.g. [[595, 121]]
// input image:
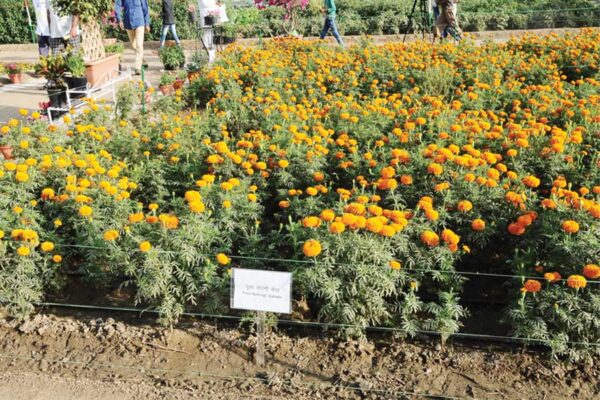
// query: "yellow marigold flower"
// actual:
[[311, 191], [111, 235], [1, 233], [145, 246], [226, 204], [57, 223], [57, 258], [311, 222], [85, 211], [22, 177], [395, 265], [135, 218], [327, 215], [23, 251], [283, 163], [576, 282], [47, 247], [223, 259], [192, 195], [311, 248], [252, 197], [153, 206], [197, 206]]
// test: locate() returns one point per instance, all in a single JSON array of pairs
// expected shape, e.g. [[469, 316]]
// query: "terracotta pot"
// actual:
[[15, 78], [102, 70], [166, 89], [7, 152], [178, 84]]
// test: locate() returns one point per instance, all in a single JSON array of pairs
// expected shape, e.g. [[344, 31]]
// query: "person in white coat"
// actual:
[[42, 28]]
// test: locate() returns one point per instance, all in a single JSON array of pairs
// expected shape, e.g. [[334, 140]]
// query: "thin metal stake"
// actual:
[[260, 338], [143, 91]]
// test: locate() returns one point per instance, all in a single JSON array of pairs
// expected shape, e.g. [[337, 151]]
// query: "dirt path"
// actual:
[[54, 357]]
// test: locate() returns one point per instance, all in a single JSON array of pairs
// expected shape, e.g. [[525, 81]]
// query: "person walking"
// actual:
[[168, 17], [329, 10], [135, 19], [42, 25], [64, 31], [446, 20]]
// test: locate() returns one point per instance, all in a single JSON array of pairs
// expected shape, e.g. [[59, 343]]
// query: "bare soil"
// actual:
[[83, 356]]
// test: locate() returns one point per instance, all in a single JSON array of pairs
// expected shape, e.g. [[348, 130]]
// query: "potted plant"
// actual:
[[227, 33], [53, 68], [14, 72], [116, 48], [198, 62], [75, 67], [99, 66], [180, 80], [172, 57], [166, 84]]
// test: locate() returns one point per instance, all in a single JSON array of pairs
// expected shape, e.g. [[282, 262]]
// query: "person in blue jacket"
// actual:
[[134, 16]]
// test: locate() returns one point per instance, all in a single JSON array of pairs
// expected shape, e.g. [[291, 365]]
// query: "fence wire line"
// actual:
[[309, 386], [292, 261], [325, 325]]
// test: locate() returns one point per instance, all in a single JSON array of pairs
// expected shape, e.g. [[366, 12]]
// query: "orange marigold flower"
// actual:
[[532, 286], [311, 248], [327, 215], [576, 282], [516, 229], [284, 204], [337, 227], [591, 271], [531, 181], [311, 222], [435, 169], [478, 224], [465, 206], [192, 195], [430, 238], [570, 226], [111, 235], [552, 277]]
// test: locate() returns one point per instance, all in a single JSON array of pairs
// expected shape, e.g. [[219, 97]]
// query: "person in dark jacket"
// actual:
[[168, 17]]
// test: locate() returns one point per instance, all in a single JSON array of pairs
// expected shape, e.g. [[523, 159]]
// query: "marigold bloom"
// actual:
[[576, 282], [85, 211], [145, 246], [135, 218], [23, 251], [223, 259], [516, 229], [111, 235], [570, 226], [283, 163], [395, 265], [465, 206], [197, 207], [532, 286], [284, 204], [337, 227], [311, 248], [531, 181], [327, 215], [311, 222], [435, 169], [552, 277], [57, 258], [591, 271], [478, 225], [47, 247], [430, 238]]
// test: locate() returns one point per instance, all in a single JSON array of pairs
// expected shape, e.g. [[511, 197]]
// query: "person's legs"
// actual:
[[75, 43], [44, 45], [174, 33], [139, 38], [336, 34], [326, 28], [57, 45], [440, 24], [163, 35], [132, 33], [452, 23]]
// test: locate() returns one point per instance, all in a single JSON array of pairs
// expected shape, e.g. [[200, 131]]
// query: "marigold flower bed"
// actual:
[[378, 175]]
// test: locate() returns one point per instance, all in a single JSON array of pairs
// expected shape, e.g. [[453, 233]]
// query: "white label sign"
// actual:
[[258, 290]]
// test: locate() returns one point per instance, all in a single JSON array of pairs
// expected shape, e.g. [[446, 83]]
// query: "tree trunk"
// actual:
[[91, 41]]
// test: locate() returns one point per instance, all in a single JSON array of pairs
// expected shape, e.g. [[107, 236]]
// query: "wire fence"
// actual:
[[470, 274], [329, 325]]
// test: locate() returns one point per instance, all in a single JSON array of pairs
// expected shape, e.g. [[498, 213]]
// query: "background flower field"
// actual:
[[383, 177]]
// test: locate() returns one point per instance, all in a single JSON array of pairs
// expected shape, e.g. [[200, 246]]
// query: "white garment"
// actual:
[[60, 27], [41, 17], [222, 15]]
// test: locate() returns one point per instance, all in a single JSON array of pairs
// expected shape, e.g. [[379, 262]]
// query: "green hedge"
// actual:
[[355, 17]]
